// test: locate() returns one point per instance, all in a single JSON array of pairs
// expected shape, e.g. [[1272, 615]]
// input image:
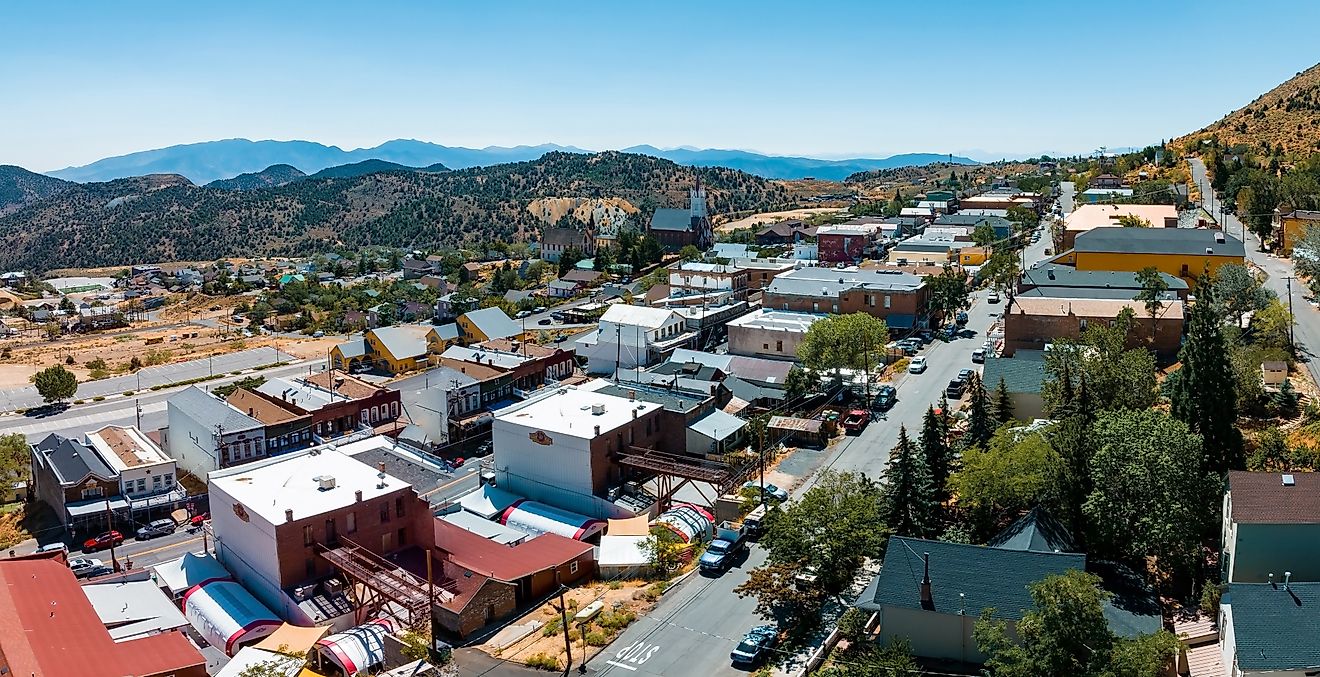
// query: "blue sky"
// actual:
[[826, 79]]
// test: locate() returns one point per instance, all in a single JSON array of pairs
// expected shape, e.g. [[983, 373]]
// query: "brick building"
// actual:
[[1033, 322], [845, 243], [899, 298], [677, 228], [338, 403]]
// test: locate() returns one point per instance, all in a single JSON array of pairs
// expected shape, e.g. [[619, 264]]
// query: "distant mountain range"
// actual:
[[211, 161]]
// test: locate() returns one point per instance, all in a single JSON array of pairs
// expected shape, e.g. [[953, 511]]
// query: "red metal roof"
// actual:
[[47, 627], [502, 562]]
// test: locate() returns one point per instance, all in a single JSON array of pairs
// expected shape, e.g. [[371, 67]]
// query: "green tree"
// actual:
[[1204, 391], [853, 341], [1133, 221], [1025, 218], [568, 259], [1270, 326], [55, 384], [934, 442], [15, 459], [1066, 633], [1009, 475], [1239, 292], [663, 550], [1002, 269], [983, 234], [796, 540], [1153, 289], [980, 421], [1003, 403], [909, 497], [689, 253], [66, 304], [1151, 496], [948, 293], [1114, 377]]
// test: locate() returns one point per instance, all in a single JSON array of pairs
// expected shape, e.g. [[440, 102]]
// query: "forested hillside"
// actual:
[[161, 218], [18, 187]]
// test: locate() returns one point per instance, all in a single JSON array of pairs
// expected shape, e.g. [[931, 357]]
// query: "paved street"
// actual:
[[1306, 321], [27, 397], [693, 629], [1066, 192]]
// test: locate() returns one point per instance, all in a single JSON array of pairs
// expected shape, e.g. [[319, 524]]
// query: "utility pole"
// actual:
[[1292, 343], [563, 620], [137, 406], [762, 458], [109, 526]]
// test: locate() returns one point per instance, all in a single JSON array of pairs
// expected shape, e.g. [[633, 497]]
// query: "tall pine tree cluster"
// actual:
[[1204, 392]]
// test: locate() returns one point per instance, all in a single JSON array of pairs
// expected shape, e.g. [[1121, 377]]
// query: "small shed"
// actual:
[[1273, 373], [806, 432]]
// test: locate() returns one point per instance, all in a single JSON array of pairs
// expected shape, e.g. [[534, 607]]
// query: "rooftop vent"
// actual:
[[1050, 271], [1289, 480], [326, 482], [1219, 237], [1209, 250], [597, 409]]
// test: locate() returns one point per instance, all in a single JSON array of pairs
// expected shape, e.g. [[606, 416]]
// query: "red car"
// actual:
[[855, 421], [105, 540]]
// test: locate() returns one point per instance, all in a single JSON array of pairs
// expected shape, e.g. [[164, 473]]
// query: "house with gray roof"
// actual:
[[487, 324], [1024, 377], [1270, 628], [1058, 281], [206, 433], [74, 480], [715, 433]]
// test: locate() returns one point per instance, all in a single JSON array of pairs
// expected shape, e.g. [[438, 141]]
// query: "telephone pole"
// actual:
[[1292, 343]]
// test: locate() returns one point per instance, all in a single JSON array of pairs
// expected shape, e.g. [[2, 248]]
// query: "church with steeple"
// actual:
[[677, 228]]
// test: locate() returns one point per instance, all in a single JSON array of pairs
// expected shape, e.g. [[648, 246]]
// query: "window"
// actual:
[[779, 346], [91, 492], [155, 482], [394, 409], [402, 537], [888, 301], [870, 300], [1081, 324], [835, 308], [350, 523], [815, 307], [331, 535], [572, 567], [384, 512], [169, 479], [309, 567], [398, 507], [308, 537], [141, 484], [765, 346]]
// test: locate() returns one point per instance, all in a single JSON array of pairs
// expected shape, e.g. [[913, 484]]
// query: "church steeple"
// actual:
[[697, 201]]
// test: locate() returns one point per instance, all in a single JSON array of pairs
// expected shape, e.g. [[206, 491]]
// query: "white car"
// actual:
[[917, 365], [993, 297], [84, 566]]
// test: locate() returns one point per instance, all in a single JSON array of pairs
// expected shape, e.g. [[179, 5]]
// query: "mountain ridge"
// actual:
[[208, 161], [19, 187], [1287, 118]]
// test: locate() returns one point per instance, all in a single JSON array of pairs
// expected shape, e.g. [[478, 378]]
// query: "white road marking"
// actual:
[[621, 665]]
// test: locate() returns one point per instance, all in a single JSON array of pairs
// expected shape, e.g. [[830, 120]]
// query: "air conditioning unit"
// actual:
[[333, 586], [302, 592], [327, 482]]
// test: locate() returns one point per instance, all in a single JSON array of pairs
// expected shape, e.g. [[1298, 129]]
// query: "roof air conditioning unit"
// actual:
[[597, 409], [302, 592], [326, 482]]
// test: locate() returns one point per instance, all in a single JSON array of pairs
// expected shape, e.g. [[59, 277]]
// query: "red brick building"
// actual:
[[1032, 322], [897, 297], [845, 243], [336, 402]]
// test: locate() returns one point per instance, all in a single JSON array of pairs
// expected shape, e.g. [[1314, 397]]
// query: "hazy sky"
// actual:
[[986, 79]]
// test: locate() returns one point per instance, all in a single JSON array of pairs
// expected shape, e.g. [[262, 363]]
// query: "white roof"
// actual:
[[699, 267], [485, 527], [133, 608], [184, 572], [539, 518], [861, 229], [487, 501], [292, 482], [641, 316], [777, 320], [497, 358], [225, 613], [569, 411], [622, 551], [305, 395]]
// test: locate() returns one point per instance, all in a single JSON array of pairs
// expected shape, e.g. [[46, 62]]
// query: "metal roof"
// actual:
[[671, 219], [1184, 241], [718, 425], [493, 323], [200, 406], [1050, 275], [71, 460], [404, 340]]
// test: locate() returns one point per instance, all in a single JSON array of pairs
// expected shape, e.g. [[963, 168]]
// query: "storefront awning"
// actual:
[[95, 506]]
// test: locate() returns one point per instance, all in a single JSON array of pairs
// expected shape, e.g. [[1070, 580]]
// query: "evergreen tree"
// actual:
[[935, 448], [909, 500], [1003, 403], [1204, 394], [980, 426]]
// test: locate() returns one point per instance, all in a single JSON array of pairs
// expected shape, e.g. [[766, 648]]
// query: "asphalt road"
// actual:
[[694, 628], [80, 418], [27, 397], [1067, 191], [1306, 318]]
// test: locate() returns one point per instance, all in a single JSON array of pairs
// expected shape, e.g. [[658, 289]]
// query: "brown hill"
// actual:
[[19, 187], [167, 218], [1286, 117]]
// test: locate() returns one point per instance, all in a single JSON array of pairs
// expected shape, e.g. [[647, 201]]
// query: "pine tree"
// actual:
[[1003, 403], [1204, 394], [935, 449], [909, 500], [980, 427]]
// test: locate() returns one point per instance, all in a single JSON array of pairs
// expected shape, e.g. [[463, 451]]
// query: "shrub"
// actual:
[[69, 359], [597, 638], [553, 627], [99, 398], [77, 401], [615, 585], [543, 661], [155, 357], [901, 365], [97, 364], [128, 393], [614, 621], [97, 374]]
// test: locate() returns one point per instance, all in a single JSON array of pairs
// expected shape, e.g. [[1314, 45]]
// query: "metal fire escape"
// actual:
[[379, 588]]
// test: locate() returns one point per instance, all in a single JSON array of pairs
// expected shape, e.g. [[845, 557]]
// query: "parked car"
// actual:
[[160, 527], [978, 356], [100, 542], [521, 314], [925, 336], [965, 375], [755, 645], [917, 365], [544, 320], [955, 389], [855, 421], [886, 397], [539, 309], [993, 297], [84, 567], [52, 547], [771, 491]]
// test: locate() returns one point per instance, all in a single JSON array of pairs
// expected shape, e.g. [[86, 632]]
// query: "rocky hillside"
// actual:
[[163, 218], [274, 175], [1285, 118], [18, 187]]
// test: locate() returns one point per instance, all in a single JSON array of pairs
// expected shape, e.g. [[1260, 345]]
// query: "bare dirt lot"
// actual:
[[772, 217]]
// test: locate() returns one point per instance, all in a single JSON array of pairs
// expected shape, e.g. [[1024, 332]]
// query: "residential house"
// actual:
[[416, 269], [999, 200], [1181, 252], [756, 381], [1056, 281], [563, 289], [1024, 377], [1271, 525], [1031, 323], [487, 324], [399, 348], [1290, 226], [632, 336], [556, 241], [923, 213], [790, 231], [100, 317], [1105, 181], [677, 228], [415, 311], [583, 278], [1273, 374], [899, 298], [1270, 629], [51, 628], [1088, 217], [697, 282], [775, 334], [562, 447], [451, 305], [715, 434], [206, 433], [845, 243], [13, 279]]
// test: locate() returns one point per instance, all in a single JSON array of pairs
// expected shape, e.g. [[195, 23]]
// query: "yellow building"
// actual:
[[1290, 227], [1181, 252], [973, 256], [399, 348], [487, 324]]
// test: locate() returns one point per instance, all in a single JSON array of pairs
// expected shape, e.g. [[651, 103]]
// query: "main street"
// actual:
[[1306, 319], [694, 627]]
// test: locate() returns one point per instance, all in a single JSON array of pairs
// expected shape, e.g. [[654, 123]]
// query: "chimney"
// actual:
[[288, 514], [249, 411], [927, 601], [1287, 578], [597, 431], [1271, 581], [381, 475], [357, 496], [1219, 236]]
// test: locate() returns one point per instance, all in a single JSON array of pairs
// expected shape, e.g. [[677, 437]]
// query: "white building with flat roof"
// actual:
[[560, 448], [770, 333], [632, 336], [144, 470]]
